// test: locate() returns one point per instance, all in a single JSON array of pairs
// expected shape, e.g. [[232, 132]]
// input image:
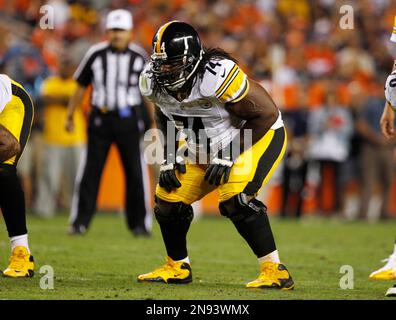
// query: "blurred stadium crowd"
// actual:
[[327, 81]]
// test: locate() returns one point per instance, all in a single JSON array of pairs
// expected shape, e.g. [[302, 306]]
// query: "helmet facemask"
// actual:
[[173, 73]]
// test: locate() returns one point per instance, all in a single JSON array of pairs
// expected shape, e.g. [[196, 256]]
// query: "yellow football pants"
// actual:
[[250, 172]]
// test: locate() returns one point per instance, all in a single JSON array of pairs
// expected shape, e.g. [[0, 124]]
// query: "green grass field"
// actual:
[[104, 263]]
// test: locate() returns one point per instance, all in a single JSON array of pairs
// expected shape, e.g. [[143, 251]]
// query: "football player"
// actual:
[[16, 116], [205, 91], [388, 272]]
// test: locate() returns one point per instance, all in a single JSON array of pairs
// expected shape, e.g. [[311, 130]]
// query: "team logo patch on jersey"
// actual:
[[204, 103], [199, 104]]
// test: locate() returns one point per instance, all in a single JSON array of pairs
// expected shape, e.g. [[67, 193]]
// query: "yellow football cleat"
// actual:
[[21, 264], [387, 272], [383, 274], [272, 276], [170, 272]]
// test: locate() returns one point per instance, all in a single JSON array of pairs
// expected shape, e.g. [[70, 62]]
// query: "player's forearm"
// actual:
[[150, 108], [8, 151], [75, 100], [160, 121], [169, 133], [388, 107], [9, 146]]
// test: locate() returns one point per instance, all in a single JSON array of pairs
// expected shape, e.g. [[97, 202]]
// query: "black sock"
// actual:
[[12, 201], [174, 234], [256, 230]]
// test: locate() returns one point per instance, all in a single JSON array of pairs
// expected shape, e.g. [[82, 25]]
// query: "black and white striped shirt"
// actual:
[[114, 75]]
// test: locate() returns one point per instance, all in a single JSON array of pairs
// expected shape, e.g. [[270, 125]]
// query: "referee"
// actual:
[[118, 115]]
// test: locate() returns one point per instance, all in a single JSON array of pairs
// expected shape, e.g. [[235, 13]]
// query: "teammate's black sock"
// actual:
[[12, 201]]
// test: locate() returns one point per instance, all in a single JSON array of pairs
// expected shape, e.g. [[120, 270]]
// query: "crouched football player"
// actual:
[[204, 90], [16, 115]]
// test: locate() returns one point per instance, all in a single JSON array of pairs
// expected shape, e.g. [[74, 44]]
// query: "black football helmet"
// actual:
[[177, 52]]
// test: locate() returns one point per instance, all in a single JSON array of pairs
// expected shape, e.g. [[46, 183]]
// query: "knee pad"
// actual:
[[240, 208], [166, 212]]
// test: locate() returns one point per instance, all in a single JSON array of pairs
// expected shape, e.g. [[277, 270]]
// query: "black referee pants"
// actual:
[[103, 130]]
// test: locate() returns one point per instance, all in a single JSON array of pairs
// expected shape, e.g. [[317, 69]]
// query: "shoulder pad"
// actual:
[[225, 80], [146, 82], [5, 91]]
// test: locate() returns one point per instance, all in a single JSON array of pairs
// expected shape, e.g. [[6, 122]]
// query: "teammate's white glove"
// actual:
[[390, 90], [146, 81]]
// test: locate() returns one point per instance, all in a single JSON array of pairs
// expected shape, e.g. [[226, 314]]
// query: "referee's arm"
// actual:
[[74, 102], [83, 76]]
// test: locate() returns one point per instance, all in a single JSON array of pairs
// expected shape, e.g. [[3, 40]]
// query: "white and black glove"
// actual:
[[167, 177], [219, 167], [390, 90]]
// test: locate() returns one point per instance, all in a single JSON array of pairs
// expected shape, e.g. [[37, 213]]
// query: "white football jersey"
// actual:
[[393, 36], [5, 91], [390, 90], [205, 109]]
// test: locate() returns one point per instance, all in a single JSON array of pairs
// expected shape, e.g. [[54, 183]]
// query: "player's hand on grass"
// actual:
[[168, 179], [218, 169]]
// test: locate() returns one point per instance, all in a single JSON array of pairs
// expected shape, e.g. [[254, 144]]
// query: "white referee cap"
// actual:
[[119, 19]]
